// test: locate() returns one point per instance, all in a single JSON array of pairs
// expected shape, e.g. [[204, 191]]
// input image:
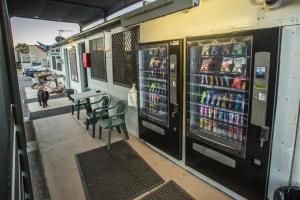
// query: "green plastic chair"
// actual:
[[93, 115], [113, 121]]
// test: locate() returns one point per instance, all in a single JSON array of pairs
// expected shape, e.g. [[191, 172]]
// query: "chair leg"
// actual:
[[73, 108], [100, 132], [119, 130], [109, 138], [123, 126], [78, 109], [87, 124], [94, 127]]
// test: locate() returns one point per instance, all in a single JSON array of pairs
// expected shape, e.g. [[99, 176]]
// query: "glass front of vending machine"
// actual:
[[160, 95], [231, 82]]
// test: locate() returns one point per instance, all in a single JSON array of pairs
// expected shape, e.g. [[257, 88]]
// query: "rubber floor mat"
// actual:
[[169, 191], [115, 174], [50, 112]]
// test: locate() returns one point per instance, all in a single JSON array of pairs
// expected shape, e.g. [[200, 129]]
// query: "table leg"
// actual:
[[78, 108]]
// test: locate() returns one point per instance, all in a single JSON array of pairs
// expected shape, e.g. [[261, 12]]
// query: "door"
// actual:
[[83, 70], [230, 108], [160, 95], [67, 71]]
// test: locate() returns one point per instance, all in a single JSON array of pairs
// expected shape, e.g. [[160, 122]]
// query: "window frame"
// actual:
[[104, 58], [134, 40]]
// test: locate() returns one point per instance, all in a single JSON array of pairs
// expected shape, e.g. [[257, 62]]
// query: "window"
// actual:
[[54, 62], [97, 53], [58, 63], [73, 65], [124, 57]]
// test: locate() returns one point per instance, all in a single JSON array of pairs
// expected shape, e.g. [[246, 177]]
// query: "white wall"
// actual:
[[116, 92], [286, 112]]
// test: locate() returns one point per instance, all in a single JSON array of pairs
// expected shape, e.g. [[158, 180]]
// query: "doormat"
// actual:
[[50, 112], [169, 191], [115, 174]]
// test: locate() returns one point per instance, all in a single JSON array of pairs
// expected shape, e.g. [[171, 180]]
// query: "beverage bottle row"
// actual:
[[157, 88], [161, 110], [157, 99], [223, 116], [161, 74], [222, 81], [229, 133], [223, 100]]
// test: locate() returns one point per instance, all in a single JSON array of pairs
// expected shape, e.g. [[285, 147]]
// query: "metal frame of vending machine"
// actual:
[[231, 98], [160, 90]]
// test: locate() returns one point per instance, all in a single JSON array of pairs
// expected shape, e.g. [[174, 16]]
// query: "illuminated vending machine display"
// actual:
[[229, 112], [160, 95]]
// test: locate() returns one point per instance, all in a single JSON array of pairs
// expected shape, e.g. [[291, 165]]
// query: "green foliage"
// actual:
[[22, 48]]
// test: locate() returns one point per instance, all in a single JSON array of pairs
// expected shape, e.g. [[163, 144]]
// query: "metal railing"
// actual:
[[18, 176]]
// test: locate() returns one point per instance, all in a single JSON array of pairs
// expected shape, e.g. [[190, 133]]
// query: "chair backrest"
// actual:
[[122, 107], [105, 101], [68, 93]]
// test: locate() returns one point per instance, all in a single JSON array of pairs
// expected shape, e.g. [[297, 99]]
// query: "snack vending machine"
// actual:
[[160, 95], [231, 87]]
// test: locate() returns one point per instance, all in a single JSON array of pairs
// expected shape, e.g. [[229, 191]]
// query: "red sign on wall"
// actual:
[[86, 59]]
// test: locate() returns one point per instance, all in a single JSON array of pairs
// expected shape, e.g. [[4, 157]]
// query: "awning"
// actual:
[[75, 11]]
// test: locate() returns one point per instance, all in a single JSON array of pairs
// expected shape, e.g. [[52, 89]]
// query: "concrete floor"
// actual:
[[52, 103], [59, 138]]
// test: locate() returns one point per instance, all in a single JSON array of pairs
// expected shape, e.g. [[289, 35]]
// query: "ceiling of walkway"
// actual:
[[75, 11]]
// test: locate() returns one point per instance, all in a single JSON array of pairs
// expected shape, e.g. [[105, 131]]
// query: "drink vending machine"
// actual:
[[231, 87], [160, 95]]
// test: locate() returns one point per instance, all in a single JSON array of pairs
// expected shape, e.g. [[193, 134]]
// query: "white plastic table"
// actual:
[[82, 96]]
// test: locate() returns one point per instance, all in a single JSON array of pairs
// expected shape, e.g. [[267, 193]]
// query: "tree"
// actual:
[[22, 48]]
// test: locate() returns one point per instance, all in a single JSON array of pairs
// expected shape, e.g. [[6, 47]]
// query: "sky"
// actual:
[[31, 30]]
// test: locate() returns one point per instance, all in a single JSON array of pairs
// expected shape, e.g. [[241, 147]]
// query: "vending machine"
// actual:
[[231, 92], [160, 95]]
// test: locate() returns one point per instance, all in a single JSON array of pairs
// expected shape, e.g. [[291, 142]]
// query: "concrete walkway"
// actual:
[[59, 138]]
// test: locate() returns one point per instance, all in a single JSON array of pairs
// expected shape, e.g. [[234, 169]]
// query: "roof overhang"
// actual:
[[156, 9], [82, 12]]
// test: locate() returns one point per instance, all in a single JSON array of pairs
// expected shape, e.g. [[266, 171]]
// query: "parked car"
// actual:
[[34, 68]]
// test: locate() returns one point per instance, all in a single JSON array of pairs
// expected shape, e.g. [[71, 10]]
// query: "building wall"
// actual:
[[214, 17], [37, 56], [115, 91]]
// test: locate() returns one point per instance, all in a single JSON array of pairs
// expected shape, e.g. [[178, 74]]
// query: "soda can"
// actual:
[[210, 125], [224, 132], [237, 118], [214, 127], [206, 111], [235, 133], [230, 132], [231, 117], [201, 124], [210, 112], [226, 116], [220, 116], [202, 110], [205, 124], [240, 134], [216, 111]]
